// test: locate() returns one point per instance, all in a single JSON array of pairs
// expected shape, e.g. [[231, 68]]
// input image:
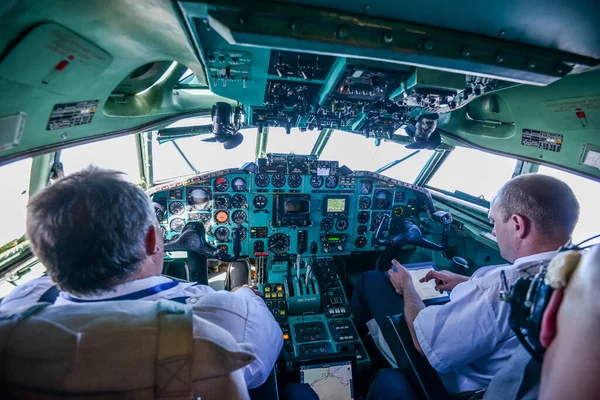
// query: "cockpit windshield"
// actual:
[[191, 155]]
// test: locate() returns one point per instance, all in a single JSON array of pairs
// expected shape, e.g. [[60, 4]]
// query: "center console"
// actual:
[[307, 299]]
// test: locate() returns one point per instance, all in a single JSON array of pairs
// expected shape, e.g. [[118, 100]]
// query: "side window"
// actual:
[[119, 154], [15, 195], [587, 192], [474, 172]]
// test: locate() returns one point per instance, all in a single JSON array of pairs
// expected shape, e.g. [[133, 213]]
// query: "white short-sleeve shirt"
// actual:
[[468, 339]]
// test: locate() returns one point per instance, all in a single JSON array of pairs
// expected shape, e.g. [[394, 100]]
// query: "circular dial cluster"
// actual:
[[278, 180], [279, 243], [239, 216], [366, 187], [382, 199], [262, 180], [222, 217], [238, 185], [363, 217], [327, 224], [294, 180], [316, 181], [260, 202], [176, 208], [177, 224], [199, 199], [360, 242], [331, 182], [222, 234], [341, 224], [364, 202], [221, 184], [239, 201]]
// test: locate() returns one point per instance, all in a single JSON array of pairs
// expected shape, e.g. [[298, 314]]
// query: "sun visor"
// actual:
[[54, 59]]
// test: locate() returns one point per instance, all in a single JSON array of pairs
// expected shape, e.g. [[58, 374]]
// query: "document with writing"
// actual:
[[426, 290]]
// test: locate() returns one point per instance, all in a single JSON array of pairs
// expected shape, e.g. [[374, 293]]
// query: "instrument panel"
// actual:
[[289, 204]]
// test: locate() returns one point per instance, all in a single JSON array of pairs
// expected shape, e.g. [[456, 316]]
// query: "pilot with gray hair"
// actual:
[[468, 340], [99, 239]]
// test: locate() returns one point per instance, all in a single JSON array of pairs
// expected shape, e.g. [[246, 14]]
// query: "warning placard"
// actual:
[[572, 114], [68, 115], [542, 140]]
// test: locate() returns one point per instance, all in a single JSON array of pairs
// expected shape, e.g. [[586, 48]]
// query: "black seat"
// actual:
[[268, 390], [423, 378]]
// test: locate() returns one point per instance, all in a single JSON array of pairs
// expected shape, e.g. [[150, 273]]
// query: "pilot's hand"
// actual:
[[444, 280], [399, 278]]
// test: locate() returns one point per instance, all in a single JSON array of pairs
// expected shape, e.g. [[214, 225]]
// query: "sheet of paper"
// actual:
[[427, 289]]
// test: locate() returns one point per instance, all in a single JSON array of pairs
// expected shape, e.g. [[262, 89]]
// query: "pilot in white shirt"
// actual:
[[468, 351], [242, 313], [99, 239]]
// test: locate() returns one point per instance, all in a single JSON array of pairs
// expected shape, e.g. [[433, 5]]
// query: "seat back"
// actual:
[[118, 350], [422, 376]]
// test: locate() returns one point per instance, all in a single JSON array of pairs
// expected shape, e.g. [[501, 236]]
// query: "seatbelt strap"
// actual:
[[50, 295], [174, 361]]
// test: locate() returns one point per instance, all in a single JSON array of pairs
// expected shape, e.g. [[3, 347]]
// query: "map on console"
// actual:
[[332, 381]]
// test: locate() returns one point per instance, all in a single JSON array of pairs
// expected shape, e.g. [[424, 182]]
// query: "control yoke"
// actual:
[[411, 234], [193, 238]]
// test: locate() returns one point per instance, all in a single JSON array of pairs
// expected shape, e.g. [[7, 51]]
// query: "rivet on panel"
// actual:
[[466, 51], [63, 136], [428, 45], [387, 37], [342, 32], [531, 63], [499, 57]]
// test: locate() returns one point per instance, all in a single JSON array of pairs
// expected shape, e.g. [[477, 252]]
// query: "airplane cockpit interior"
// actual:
[[310, 141]]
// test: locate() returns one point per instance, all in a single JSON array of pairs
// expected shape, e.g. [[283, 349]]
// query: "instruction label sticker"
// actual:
[[572, 114], [542, 140], [68, 115]]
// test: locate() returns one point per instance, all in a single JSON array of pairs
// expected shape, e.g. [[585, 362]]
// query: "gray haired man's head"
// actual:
[[89, 229]]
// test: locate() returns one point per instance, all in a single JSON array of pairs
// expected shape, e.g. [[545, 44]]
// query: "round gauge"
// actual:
[[239, 201], [279, 243], [366, 187], [382, 199], [243, 233], [222, 217], [364, 202], [376, 219], [239, 216], [363, 217], [341, 224], [164, 231], [199, 199], [238, 184], [316, 181], [176, 208], [177, 224], [398, 211], [222, 201], [221, 184], [327, 224], [260, 202], [294, 180], [360, 242], [262, 180], [278, 180], [331, 182], [159, 211], [222, 234]]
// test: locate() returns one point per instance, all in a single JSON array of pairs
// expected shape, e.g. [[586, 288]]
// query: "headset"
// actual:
[[528, 298]]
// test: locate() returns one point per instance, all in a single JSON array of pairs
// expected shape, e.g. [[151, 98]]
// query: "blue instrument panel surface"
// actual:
[[283, 213]]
